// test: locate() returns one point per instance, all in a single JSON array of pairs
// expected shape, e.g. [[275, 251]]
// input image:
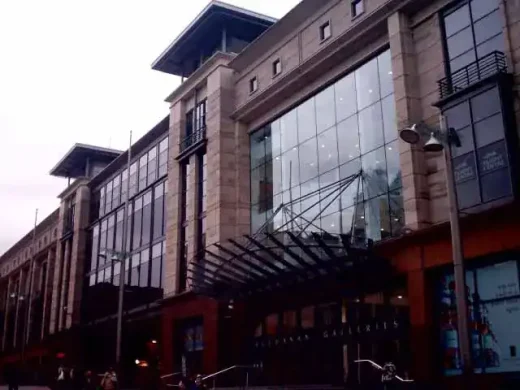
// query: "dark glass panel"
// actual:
[[479, 8], [496, 185], [258, 148], [488, 27], [492, 157], [147, 218], [489, 130], [494, 44], [468, 194], [466, 140], [460, 42], [458, 116], [464, 168], [462, 60]]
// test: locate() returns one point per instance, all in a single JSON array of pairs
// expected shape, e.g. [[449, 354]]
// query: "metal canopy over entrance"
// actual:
[[295, 251]]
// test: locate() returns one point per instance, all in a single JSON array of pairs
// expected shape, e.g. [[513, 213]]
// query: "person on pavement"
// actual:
[[109, 381]]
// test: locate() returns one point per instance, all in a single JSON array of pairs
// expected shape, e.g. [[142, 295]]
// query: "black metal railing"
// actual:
[[193, 138], [489, 65]]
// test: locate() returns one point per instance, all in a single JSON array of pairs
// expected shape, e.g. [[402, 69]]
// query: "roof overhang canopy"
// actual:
[[74, 163], [207, 26], [297, 251]]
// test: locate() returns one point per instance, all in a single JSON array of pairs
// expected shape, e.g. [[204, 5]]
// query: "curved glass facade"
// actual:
[[346, 129]]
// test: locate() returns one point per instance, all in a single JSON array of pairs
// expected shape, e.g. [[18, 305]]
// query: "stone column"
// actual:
[[243, 180], [192, 212], [17, 308], [173, 201], [77, 258], [47, 288], [221, 213], [62, 314], [6, 318], [29, 300], [56, 280], [408, 112]]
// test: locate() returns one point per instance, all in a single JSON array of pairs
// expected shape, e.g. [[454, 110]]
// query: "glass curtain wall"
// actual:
[[348, 128]]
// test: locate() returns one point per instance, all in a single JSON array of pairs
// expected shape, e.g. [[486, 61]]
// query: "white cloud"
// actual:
[[74, 71]]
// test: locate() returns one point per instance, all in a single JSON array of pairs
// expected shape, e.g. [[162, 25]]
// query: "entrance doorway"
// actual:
[[320, 343]]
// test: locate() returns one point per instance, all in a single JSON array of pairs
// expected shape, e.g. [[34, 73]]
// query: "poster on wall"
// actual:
[[493, 306]]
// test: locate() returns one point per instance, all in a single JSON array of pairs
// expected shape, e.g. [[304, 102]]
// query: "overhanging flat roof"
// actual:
[[73, 163], [170, 60]]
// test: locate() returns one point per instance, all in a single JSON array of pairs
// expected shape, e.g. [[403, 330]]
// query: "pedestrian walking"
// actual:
[[199, 384], [89, 382], [109, 381], [61, 378]]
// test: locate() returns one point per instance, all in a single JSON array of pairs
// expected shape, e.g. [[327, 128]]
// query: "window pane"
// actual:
[[377, 218], [306, 120], [371, 128], [274, 141], [329, 192], [354, 192], [464, 168], [274, 174], [492, 157], [258, 148], [489, 130], [328, 150], [330, 223], [396, 212], [393, 165], [480, 8], [458, 116], [346, 100], [389, 119], [290, 168], [457, 20], [385, 73], [289, 130], [257, 181], [367, 85], [325, 113], [485, 104], [496, 185], [308, 160], [310, 204], [348, 139], [488, 27], [468, 194], [375, 180], [494, 44], [466, 140], [462, 60], [460, 42], [143, 274], [258, 217]]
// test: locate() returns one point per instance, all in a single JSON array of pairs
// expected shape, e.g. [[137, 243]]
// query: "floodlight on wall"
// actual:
[[410, 134], [433, 144]]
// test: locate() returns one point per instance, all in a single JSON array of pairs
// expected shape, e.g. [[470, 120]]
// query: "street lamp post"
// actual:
[[442, 140]]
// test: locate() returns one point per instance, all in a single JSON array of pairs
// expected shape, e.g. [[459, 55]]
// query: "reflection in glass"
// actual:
[[306, 120], [466, 142], [348, 139], [308, 160], [289, 130], [457, 20], [290, 168], [374, 173], [348, 126], [367, 86], [393, 166], [328, 150], [258, 148], [371, 128], [346, 102]]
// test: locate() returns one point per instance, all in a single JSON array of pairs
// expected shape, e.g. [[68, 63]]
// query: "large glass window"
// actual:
[[158, 211], [147, 218], [156, 266], [119, 229], [116, 192], [347, 129], [473, 29], [95, 247], [152, 165], [481, 164], [163, 157], [493, 296], [133, 180], [137, 222], [143, 164]]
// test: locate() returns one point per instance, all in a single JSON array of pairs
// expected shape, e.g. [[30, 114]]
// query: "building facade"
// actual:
[[276, 219]]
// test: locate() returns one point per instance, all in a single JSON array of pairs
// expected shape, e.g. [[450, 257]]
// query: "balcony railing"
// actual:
[[193, 139], [489, 65]]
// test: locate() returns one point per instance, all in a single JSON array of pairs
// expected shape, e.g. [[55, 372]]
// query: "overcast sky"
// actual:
[[79, 71]]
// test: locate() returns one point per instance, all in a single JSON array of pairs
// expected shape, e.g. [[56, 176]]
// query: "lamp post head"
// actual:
[[433, 144], [410, 134]]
